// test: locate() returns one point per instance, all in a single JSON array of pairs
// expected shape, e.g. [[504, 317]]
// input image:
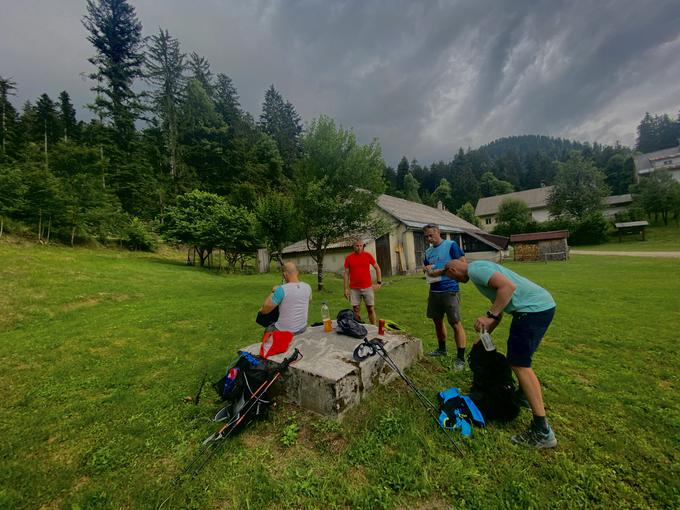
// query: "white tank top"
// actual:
[[294, 307]]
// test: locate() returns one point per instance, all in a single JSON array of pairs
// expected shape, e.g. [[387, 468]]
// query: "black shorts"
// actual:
[[444, 303], [526, 333]]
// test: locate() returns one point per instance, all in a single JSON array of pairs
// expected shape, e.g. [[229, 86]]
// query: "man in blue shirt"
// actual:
[[532, 308], [444, 297]]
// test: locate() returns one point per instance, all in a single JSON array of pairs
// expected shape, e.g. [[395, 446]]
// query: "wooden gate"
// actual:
[[382, 254]]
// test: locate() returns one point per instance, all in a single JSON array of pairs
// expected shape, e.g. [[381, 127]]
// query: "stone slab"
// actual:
[[327, 380]]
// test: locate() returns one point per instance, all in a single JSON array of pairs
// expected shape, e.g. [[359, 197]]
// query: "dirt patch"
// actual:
[[90, 301]]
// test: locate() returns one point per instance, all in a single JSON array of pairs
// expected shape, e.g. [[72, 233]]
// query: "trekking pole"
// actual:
[[211, 443], [377, 347], [200, 388]]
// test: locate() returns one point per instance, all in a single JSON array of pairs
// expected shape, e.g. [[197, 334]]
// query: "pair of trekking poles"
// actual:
[[369, 348], [213, 443]]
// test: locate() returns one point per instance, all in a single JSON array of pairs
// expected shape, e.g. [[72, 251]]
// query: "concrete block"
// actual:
[[327, 380]]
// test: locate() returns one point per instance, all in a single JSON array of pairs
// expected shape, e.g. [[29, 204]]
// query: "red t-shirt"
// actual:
[[359, 265]]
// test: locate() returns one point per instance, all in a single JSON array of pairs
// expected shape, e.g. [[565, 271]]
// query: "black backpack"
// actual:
[[493, 388], [267, 319], [348, 325], [243, 377]]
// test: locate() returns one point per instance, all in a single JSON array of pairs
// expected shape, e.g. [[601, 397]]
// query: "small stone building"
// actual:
[[541, 246]]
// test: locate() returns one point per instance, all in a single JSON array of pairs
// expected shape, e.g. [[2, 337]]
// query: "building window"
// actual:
[[488, 221], [668, 162]]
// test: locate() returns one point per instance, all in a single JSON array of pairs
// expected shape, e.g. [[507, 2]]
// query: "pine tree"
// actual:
[[280, 120], [7, 112], [226, 100], [646, 134], [402, 170], [199, 70], [116, 34], [165, 69], [47, 120], [67, 116]]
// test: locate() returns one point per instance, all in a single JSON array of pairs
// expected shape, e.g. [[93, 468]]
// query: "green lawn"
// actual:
[[658, 237], [98, 349]]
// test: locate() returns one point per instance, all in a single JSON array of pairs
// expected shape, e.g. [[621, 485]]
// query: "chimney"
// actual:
[[440, 206]]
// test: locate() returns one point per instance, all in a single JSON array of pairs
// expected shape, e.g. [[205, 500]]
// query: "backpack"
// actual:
[[348, 325], [457, 411], [267, 319], [243, 377], [493, 387]]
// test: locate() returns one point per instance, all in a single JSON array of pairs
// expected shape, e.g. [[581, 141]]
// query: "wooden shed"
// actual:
[[541, 246]]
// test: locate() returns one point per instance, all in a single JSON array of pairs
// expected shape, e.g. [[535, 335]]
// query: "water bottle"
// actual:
[[326, 318], [485, 337]]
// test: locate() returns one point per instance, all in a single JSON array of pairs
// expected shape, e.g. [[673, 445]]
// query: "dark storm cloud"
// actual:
[[423, 77]]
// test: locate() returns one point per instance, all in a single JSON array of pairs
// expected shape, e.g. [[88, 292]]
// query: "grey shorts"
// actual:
[[444, 303], [355, 296]]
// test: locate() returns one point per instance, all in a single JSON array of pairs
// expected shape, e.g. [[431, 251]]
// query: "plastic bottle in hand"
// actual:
[[326, 318], [485, 337]]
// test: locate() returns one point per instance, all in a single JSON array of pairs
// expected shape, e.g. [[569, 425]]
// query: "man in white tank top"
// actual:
[[292, 298]]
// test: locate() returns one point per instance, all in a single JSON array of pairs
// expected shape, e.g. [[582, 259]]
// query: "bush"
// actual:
[[138, 236], [592, 230]]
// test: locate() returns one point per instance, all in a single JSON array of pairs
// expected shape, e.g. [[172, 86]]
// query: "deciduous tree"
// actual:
[[579, 189], [337, 188]]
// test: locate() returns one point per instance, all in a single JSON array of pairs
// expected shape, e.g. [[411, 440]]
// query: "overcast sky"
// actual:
[[424, 77]]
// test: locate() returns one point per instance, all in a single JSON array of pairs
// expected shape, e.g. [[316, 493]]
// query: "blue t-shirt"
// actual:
[[438, 256], [528, 297]]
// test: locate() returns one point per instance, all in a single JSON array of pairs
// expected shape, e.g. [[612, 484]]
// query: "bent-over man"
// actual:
[[292, 298], [532, 309]]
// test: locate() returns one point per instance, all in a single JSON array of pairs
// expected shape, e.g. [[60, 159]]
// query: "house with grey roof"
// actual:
[[537, 201], [668, 159], [402, 249]]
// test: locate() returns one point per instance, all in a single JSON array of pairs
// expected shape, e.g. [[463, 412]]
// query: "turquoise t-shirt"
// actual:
[[528, 297]]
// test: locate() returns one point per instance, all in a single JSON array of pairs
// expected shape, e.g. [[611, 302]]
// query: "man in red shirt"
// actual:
[[358, 280]]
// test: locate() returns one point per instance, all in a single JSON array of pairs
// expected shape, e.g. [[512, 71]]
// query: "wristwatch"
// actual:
[[492, 316], [378, 282]]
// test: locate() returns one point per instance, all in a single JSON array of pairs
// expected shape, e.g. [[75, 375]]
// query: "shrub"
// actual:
[[592, 230], [138, 236]]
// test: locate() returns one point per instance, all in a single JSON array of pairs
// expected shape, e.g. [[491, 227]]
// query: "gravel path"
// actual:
[[656, 254]]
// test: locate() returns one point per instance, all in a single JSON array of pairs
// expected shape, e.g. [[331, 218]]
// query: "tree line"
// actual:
[[201, 167], [202, 171], [509, 164]]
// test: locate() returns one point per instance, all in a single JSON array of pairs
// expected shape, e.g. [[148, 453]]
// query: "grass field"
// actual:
[[658, 237], [98, 349]]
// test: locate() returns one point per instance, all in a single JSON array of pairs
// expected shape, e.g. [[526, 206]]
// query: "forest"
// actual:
[[169, 144]]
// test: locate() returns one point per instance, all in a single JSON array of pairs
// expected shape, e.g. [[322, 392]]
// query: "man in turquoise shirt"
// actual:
[[532, 308]]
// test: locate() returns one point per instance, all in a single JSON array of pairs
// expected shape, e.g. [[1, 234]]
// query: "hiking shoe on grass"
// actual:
[[536, 438], [459, 364], [437, 352]]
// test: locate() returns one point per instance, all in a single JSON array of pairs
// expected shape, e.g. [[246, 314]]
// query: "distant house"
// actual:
[[402, 250], [668, 159], [537, 201]]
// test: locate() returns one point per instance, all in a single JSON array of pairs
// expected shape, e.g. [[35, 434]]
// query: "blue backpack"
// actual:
[[457, 411]]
